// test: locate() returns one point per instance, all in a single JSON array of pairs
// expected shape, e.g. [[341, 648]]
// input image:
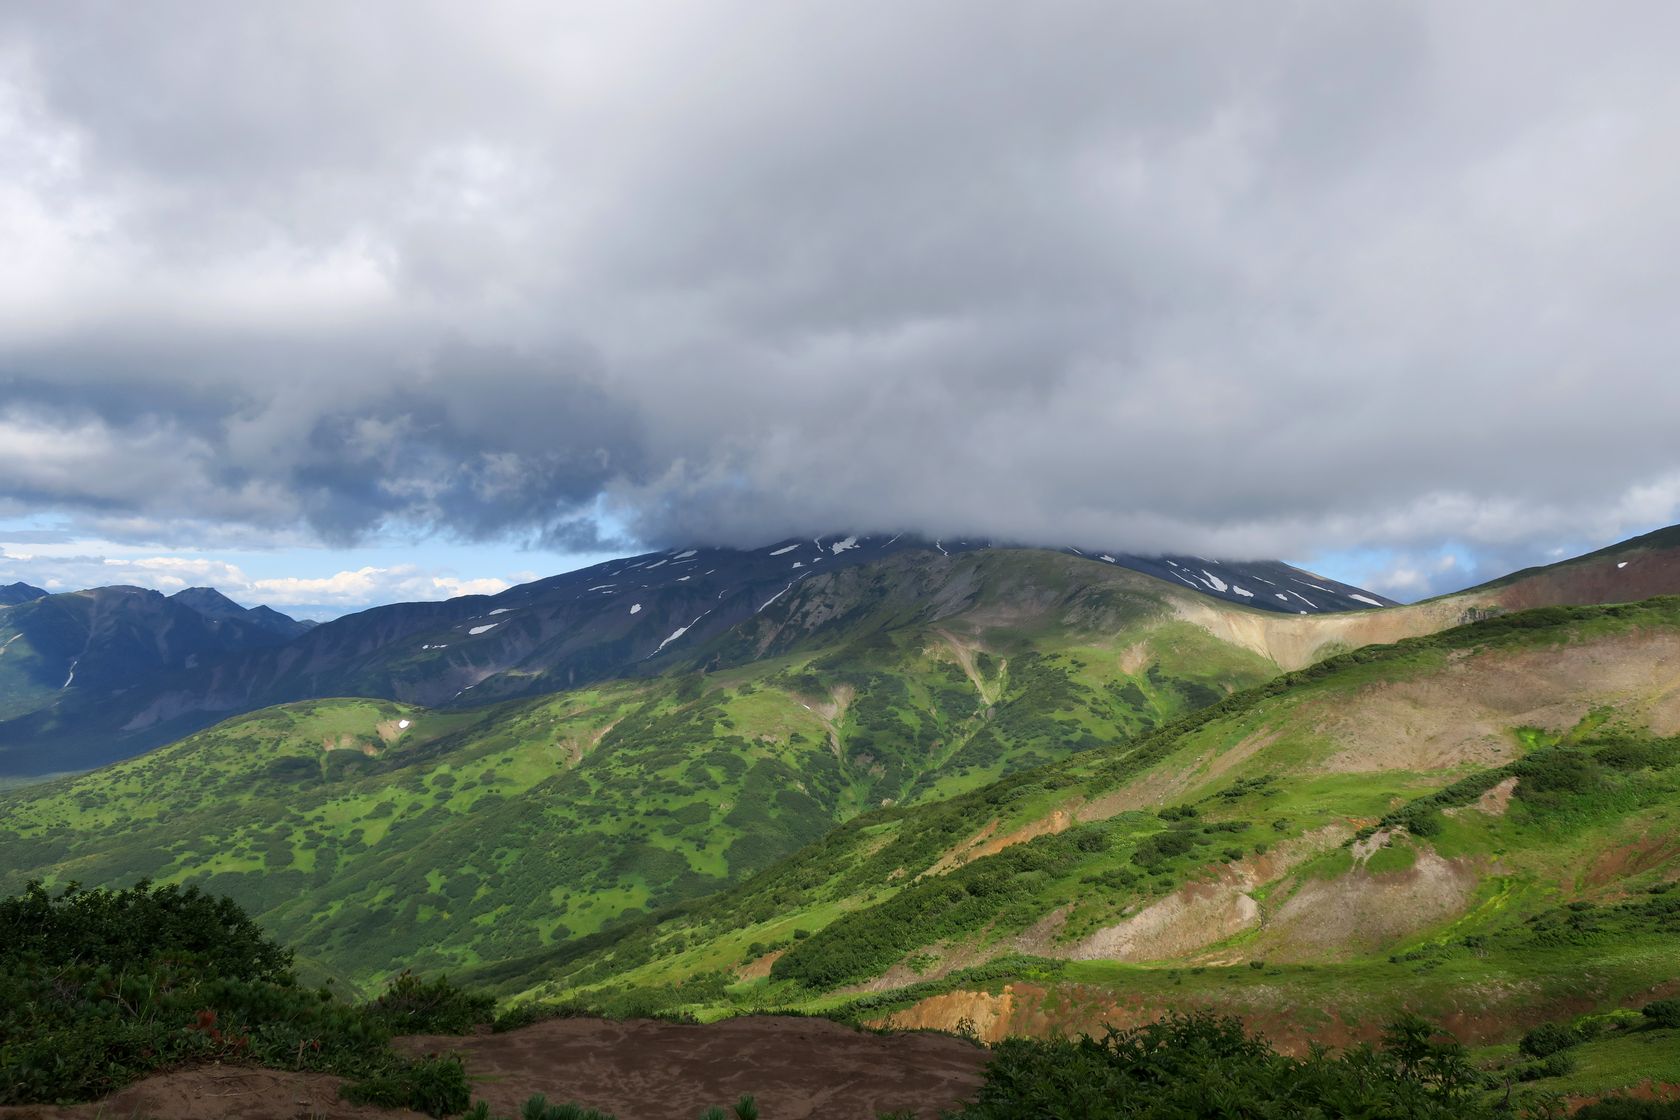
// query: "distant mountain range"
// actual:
[[97, 675], [94, 676], [1006, 790], [663, 726]]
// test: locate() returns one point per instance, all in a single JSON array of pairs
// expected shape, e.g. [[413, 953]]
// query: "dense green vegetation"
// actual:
[[98, 988], [1565, 898], [376, 836]]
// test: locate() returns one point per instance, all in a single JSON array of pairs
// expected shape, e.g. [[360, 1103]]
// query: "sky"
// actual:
[[330, 305]]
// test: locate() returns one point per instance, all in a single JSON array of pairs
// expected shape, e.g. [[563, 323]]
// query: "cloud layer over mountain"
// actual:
[[1265, 278]]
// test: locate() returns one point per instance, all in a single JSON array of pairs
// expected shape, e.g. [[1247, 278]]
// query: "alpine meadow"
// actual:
[[935, 561]]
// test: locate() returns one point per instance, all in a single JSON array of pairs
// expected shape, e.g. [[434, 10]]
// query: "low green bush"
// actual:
[[410, 1005], [1663, 1012], [435, 1085], [1547, 1039], [1203, 1064]]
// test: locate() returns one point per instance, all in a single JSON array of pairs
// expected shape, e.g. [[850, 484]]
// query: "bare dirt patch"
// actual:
[[1442, 720], [1191, 918], [759, 968], [1363, 912], [1135, 658], [1616, 864], [672, 1071], [217, 1093], [987, 843], [1494, 802], [1200, 914], [964, 650]]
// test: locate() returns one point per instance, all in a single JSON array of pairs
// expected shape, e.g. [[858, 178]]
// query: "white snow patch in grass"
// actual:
[[789, 548], [1244, 592], [1315, 587], [482, 629], [651, 567], [72, 675], [680, 579], [684, 555], [600, 587], [1107, 557], [841, 546], [675, 634], [1623, 564], [402, 725], [635, 607], [1282, 596], [1214, 581], [1305, 600], [1366, 599], [799, 563], [500, 610], [941, 548], [776, 596]]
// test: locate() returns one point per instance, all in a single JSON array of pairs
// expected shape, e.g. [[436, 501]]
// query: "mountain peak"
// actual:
[[13, 593]]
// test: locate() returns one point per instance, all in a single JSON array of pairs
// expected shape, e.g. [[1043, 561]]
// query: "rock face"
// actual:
[[117, 671]]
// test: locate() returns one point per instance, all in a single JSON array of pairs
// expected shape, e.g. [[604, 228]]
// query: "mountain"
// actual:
[[212, 604], [470, 834], [105, 643], [474, 834], [634, 617], [1478, 826], [13, 593]]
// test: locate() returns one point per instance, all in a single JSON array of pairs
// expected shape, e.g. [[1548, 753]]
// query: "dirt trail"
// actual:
[[641, 1070], [671, 1071], [984, 843]]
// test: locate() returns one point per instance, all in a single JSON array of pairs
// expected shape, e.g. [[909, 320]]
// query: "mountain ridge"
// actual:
[[628, 617]]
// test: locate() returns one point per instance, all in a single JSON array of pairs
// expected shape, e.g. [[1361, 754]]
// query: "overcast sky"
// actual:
[[330, 304]]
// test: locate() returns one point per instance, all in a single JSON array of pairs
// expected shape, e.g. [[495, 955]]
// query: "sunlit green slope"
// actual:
[[1483, 825], [377, 836]]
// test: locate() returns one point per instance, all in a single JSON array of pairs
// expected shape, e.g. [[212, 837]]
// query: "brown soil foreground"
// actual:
[[218, 1093], [642, 1070]]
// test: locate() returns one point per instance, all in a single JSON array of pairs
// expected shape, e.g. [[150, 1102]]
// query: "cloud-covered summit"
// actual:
[[1259, 279]]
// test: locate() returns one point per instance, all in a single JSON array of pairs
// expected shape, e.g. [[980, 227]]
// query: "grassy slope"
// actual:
[[877, 916], [478, 835]]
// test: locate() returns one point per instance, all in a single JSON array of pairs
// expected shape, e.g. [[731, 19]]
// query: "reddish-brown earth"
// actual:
[[794, 1067], [641, 1070], [218, 1093]]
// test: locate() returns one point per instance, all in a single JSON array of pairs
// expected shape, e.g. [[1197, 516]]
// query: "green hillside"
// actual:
[[1482, 826], [477, 835]]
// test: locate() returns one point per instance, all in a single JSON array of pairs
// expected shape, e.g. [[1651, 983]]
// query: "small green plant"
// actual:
[[1547, 1039], [410, 1005], [436, 1086], [1663, 1012]]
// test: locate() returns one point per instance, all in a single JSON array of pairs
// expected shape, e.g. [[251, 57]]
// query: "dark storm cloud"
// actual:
[[1263, 278]]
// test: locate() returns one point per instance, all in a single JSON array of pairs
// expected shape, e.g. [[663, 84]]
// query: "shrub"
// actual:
[[1560, 1063], [410, 1005], [1206, 1065], [1663, 1012], [435, 1085], [1547, 1039]]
